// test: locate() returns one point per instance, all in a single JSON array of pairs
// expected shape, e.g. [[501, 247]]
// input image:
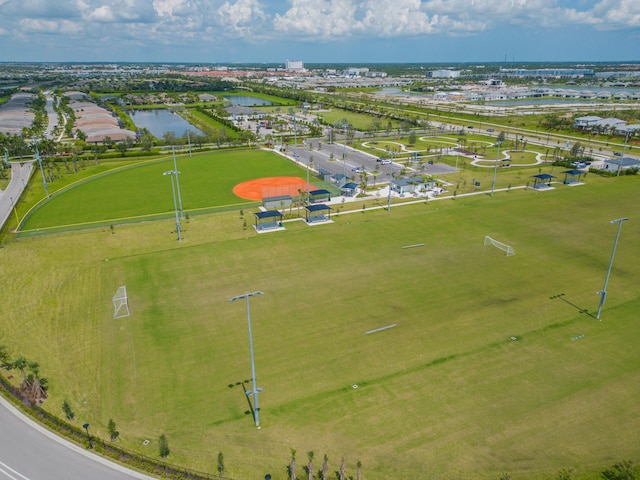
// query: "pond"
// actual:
[[161, 120], [247, 101]]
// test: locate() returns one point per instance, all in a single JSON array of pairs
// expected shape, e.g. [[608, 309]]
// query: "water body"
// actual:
[[161, 120], [247, 101]]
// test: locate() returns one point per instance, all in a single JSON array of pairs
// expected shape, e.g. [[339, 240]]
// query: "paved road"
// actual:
[[20, 173], [30, 452]]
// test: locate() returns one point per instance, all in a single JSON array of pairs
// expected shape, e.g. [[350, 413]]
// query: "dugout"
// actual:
[[319, 196], [349, 189], [280, 201], [317, 213], [268, 221], [570, 177], [542, 181]]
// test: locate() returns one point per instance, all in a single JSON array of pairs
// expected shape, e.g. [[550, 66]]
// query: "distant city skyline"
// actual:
[[319, 31]]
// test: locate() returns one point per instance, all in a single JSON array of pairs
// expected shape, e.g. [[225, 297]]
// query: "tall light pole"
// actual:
[[308, 147], [389, 193], [175, 169], [171, 173], [256, 389], [13, 207], [495, 168], [295, 130], [344, 148], [44, 179], [624, 149], [603, 292]]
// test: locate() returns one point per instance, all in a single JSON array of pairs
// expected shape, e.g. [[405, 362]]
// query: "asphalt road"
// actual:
[[30, 452], [20, 172]]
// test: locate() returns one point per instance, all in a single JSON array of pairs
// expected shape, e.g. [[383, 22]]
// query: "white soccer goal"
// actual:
[[120, 303], [502, 246]]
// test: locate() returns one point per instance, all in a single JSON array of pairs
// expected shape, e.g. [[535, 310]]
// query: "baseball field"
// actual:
[[445, 360]]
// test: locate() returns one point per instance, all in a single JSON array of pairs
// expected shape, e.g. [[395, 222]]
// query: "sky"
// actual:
[[319, 31]]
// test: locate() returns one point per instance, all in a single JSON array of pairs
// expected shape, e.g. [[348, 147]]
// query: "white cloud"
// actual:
[[243, 16], [398, 17], [329, 19], [181, 8], [319, 18], [229, 25], [617, 14], [39, 25], [122, 11], [40, 8]]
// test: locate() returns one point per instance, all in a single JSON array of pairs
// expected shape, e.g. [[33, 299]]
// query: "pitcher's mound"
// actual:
[[261, 188]]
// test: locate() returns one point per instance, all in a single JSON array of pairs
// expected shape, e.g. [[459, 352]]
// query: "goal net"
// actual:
[[120, 303], [502, 246]]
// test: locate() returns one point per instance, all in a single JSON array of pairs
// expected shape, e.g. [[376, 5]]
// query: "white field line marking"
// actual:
[[380, 329]]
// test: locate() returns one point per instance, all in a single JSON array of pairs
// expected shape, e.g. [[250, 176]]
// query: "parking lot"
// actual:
[[320, 153]]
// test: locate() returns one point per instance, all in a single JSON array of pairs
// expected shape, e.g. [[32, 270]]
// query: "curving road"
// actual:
[[30, 452], [20, 173]]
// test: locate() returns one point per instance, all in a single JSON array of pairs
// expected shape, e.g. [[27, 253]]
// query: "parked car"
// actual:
[[383, 161]]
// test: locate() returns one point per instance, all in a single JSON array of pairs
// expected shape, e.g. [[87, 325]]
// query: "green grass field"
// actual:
[[445, 394], [139, 190]]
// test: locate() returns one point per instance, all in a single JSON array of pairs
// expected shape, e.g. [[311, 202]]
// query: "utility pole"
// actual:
[[603, 292]]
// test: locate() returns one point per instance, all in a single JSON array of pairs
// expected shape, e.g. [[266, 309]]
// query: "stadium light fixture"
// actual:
[[495, 168], [175, 169], [603, 292], [256, 389], [175, 173]]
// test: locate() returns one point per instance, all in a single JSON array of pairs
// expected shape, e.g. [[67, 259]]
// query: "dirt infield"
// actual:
[[270, 187]]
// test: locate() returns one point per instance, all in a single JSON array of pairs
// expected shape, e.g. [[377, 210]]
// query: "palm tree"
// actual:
[[4, 357], [325, 466], [292, 465], [37, 383], [163, 446], [342, 469], [21, 364], [220, 464], [310, 455]]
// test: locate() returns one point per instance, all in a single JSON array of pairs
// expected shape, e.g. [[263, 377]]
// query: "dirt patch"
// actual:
[[261, 188]]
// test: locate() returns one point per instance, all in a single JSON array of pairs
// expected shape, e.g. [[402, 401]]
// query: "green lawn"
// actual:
[[444, 394], [206, 181]]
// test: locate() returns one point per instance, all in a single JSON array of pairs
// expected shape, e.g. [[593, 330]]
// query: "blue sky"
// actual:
[[319, 31]]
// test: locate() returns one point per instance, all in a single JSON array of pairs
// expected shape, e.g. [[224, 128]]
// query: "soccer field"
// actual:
[[483, 374]]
